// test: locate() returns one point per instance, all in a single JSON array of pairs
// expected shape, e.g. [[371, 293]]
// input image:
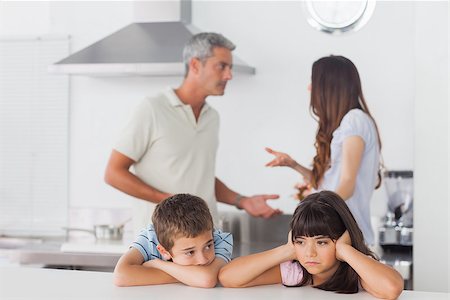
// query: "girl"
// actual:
[[325, 249], [347, 143]]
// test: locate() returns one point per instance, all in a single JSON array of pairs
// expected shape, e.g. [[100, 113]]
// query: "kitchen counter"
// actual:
[[34, 283], [80, 250], [89, 254]]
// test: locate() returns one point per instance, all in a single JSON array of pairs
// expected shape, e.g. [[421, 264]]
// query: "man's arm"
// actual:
[[196, 276], [130, 271], [118, 175], [255, 205]]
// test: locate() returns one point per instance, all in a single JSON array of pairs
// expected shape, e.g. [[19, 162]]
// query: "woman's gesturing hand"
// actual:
[[281, 159]]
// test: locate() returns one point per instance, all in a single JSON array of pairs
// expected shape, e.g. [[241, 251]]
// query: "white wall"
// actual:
[[431, 249], [270, 108], [24, 18]]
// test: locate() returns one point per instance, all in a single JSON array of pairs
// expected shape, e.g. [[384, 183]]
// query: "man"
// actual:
[[172, 139]]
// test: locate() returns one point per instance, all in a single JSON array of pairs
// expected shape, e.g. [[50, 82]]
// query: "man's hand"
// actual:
[[256, 206]]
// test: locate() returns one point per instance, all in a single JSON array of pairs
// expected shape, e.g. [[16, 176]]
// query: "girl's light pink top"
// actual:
[[291, 273]]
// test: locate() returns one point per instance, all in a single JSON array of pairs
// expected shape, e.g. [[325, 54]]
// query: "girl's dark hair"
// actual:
[[335, 90], [325, 213]]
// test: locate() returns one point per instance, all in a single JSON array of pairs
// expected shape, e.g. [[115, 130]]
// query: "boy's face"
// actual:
[[197, 251]]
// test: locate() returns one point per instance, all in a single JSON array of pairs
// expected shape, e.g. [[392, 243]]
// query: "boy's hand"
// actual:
[[343, 242], [153, 263], [192, 275]]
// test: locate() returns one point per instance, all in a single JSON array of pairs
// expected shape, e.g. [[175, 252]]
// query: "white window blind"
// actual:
[[34, 124]]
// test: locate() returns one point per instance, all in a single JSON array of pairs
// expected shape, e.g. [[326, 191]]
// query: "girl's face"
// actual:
[[317, 255]]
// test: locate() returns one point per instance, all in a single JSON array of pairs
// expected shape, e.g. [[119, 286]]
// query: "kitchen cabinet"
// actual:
[[57, 253]]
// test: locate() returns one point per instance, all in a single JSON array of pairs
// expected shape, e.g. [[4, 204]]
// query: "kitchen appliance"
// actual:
[[396, 231], [397, 225], [104, 231], [144, 47]]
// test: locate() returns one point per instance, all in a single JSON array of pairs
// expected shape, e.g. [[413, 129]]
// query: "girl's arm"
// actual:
[[352, 152], [256, 269], [130, 271], [378, 279], [284, 160]]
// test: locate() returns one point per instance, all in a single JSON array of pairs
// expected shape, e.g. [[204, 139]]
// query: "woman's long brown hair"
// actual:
[[335, 90], [326, 214]]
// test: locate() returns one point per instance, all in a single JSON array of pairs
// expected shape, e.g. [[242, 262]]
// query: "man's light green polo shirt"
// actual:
[[173, 152]]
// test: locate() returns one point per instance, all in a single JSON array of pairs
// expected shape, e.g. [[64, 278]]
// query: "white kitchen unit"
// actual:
[[31, 283]]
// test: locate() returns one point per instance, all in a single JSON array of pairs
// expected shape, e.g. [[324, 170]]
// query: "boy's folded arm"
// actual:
[[196, 276], [130, 271], [255, 269]]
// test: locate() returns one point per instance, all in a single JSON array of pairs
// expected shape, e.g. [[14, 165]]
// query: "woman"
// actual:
[[347, 143]]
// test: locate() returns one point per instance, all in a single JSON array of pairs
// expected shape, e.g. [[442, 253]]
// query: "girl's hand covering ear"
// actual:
[[290, 246], [289, 239], [342, 242]]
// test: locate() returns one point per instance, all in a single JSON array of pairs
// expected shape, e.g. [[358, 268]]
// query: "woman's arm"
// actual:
[[196, 276], [256, 269], [284, 160], [352, 152], [378, 279], [130, 271]]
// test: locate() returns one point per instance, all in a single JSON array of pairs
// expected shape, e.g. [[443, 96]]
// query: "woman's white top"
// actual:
[[356, 123]]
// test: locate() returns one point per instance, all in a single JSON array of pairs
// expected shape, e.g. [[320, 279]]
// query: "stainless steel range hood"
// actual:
[[139, 49]]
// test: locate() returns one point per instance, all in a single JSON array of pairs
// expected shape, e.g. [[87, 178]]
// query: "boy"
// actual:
[[180, 246]]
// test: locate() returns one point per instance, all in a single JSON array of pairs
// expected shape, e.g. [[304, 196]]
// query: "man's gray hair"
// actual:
[[201, 46]]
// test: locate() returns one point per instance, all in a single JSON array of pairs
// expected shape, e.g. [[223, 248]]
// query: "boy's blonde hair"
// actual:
[[181, 215]]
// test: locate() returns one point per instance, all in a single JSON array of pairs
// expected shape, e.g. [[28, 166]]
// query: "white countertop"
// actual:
[[35, 283]]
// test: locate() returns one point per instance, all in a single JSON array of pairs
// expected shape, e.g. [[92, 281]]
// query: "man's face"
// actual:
[[197, 251], [215, 71]]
